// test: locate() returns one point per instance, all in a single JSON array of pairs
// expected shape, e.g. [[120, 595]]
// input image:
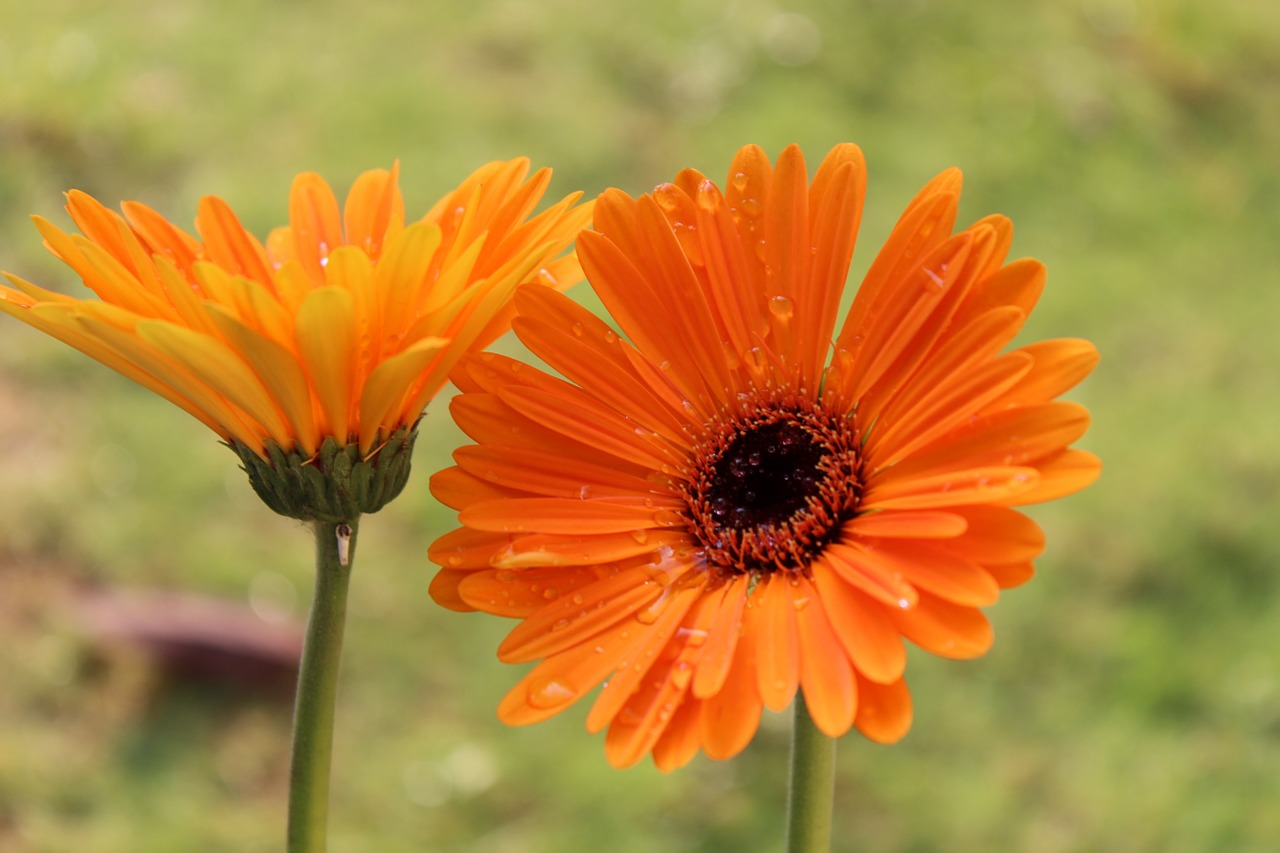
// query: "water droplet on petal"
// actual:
[[610, 336], [694, 637], [550, 692], [578, 330], [739, 180], [904, 603], [668, 518], [640, 536], [782, 307], [629, 717]]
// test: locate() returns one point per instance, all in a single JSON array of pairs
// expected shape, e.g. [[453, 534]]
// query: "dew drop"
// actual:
[[750, 207], [693, 637], [629, 717], [454, 560], [640, 536], [756, 358], [782, 307], [560, 625], [904, 604], [801, 603], [550, 692], [610, 336], [577, 598], [739, 180], [550, 593], [667, 518], [578, 330]]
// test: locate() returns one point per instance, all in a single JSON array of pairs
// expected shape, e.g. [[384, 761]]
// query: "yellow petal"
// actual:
[[326, 333], [222, 370], [278, 370], [388, 385]]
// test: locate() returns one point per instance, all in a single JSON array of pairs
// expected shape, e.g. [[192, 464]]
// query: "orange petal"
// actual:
[[592, 370], [826, 675], [1059, 367], [563, 679], [1016, 436], [902, 430], [777, 644], [653, 632], [953, 488], [942, 572], [228, 245], [457, 489], [504, 592], [722, 637], [731, 716], [555, 475], [465, 548], [863, 627], [573, 413], [567, 621], [907, 524], [1009, 575], [444, 590], [884, 710], [560, 515], [945, 629], [373, 202], [644, 719], [560, 550], [997, 535], [862, 567], [681, 738], [314, 222], [1060, 475]]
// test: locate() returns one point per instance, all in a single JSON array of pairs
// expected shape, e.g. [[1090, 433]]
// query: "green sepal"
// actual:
[[335, 485]]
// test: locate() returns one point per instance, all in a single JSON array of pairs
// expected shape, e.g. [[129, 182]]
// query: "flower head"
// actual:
[[336, 332], [733, 499]]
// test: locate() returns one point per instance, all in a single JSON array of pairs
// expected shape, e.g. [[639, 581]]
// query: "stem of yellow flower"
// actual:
[[318, 688], [813, 780]]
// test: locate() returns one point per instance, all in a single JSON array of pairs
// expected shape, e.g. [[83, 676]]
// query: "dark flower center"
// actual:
[[772, 485], [765, 476]]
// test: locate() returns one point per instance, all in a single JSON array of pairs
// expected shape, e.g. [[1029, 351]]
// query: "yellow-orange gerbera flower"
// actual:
[[343, 326], [722, 505]]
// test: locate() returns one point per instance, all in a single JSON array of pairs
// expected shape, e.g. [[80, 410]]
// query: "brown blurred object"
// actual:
[[195, 637]]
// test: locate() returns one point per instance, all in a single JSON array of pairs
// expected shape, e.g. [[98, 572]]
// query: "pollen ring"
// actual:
[[772, 484]]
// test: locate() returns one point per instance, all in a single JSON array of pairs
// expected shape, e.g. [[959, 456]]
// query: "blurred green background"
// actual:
[[1132, 700]]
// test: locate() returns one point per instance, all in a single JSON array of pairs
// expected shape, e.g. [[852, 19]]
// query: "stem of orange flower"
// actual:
[[813, 782], [318, 688]]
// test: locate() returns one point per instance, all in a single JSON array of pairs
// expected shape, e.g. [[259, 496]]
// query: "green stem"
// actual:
[[813, 781], [318, 688]]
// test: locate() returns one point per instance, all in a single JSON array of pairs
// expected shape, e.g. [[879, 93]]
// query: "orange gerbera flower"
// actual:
[[721, 506], [343, 326]]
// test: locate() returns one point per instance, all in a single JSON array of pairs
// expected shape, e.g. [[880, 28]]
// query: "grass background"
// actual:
[[1132, 700]]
